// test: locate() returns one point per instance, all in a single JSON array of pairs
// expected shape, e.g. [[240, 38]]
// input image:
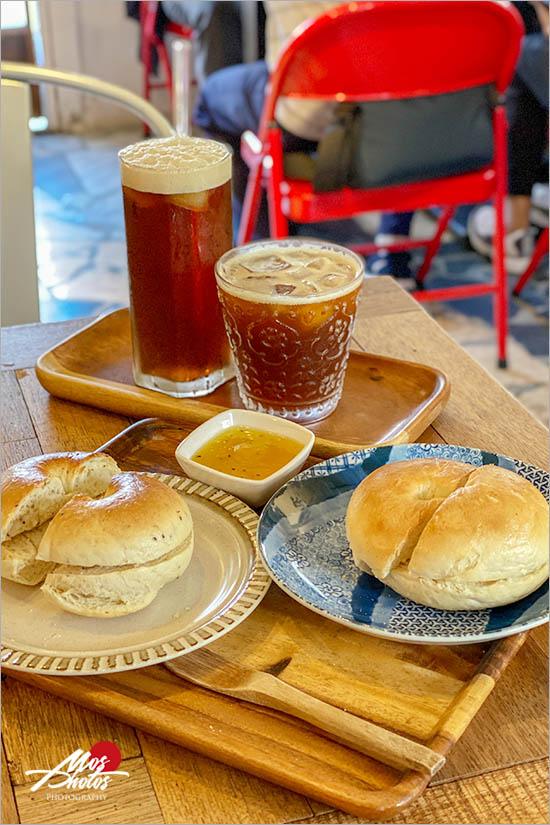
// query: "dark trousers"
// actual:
[[217, 27], [230, 102], [527, 109]]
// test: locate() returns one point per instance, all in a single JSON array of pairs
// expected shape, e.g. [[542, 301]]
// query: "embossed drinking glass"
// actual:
[[289, 310]]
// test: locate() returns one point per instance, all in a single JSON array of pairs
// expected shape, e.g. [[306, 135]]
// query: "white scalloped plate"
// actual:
[[224, 583]]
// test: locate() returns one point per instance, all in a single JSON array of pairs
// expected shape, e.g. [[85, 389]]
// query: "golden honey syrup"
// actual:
[[247, 452]]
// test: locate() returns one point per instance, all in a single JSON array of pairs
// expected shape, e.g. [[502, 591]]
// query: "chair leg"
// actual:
[[278, 222], [540, 250], [251, 205], [501, 283], [434, 245]]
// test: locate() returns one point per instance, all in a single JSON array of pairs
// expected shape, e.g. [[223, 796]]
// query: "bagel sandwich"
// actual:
[[113, 554], [450, 535], [33, 491]]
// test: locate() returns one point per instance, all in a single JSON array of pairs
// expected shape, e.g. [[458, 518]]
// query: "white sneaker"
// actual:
[[519, 245], [518, 250]]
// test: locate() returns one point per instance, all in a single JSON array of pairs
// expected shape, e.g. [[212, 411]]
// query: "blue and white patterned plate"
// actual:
[[303, 541]]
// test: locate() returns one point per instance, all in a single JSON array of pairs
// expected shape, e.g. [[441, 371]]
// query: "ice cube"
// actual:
[[267, 263], [193, 201], [284, 289], [316, 263], [260, 278], [310, 288], [333, 280]]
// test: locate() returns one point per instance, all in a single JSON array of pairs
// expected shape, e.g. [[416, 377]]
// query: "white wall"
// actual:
[[19, 278], [92, 37]]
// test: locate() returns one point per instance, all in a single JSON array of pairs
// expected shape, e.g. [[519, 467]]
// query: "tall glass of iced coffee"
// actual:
[[289, 308], [177, 209]]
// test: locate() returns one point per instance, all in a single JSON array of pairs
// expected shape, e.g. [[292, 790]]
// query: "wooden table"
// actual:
[[498, 772]]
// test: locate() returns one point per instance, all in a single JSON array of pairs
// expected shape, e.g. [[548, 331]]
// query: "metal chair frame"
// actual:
[[384, 51]]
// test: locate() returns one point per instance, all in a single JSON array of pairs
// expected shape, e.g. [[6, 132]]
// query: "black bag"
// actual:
[[388, 142]]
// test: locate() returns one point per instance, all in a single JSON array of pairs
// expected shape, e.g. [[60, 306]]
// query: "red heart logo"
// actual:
[[111, 753]]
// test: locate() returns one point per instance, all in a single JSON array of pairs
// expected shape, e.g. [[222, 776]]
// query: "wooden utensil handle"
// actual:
[[386, 746]]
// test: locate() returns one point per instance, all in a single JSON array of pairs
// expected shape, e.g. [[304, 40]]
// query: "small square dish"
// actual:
[[254, 491]]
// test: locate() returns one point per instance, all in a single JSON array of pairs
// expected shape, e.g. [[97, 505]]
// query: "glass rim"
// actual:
[[293, 241], [154, 181]]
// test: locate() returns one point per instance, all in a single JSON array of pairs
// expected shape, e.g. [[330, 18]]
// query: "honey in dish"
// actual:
[[247, 452]]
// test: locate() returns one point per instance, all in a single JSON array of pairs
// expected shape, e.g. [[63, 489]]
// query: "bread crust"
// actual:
[[450, 535], [50, 479], [101, 557], [107, 592], [138, 519], [449, 594], [19, 562], [33, 491]]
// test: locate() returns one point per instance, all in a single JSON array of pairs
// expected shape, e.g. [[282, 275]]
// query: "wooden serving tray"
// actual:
[[384, 400], [428, 693]]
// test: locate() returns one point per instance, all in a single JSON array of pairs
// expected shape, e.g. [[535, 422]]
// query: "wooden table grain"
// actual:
[[498, 772]]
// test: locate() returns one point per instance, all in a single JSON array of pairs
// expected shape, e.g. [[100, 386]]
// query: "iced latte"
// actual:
[[289, 309]]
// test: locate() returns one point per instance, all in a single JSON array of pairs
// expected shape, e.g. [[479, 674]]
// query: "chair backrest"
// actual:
[[399, 49]]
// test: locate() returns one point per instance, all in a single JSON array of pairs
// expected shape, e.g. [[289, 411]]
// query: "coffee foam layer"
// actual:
[[175, 165], [297, 274]]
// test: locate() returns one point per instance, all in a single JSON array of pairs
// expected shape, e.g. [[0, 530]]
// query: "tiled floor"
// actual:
[[82, 261]]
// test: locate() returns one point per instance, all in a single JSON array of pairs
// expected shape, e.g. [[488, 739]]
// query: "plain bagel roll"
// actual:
[[33, 491], [450, 535], [115, 553]]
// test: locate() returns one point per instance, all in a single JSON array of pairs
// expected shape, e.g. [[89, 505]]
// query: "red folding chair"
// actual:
[[150, 40], [384, 51]]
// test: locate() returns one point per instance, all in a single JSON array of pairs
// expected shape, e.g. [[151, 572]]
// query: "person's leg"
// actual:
[[527, 109], [231, 100], [229, 103], [220, 43], [217, 28], [394, 226], [527, 112], [395, 223], [532, 66]]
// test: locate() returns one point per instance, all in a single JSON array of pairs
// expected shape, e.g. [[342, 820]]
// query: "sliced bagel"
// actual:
[[450, 535], [137, 519], [33, 491], [115, 553], [107, 592], [19, 562]]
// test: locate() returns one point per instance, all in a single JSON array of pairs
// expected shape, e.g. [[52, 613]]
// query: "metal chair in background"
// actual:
[[382, 52], [151, 42], [541, 249]]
